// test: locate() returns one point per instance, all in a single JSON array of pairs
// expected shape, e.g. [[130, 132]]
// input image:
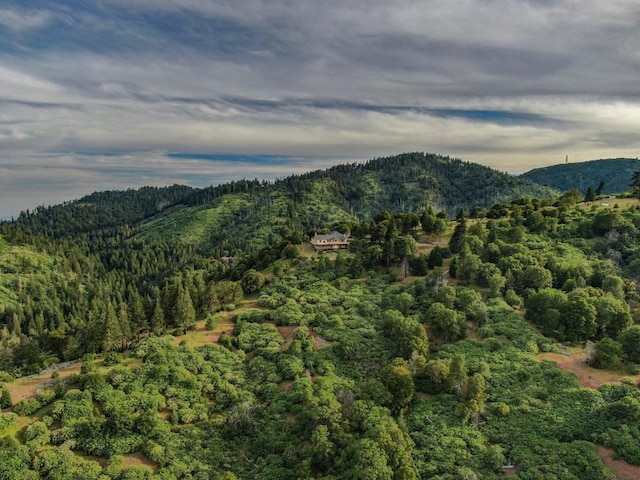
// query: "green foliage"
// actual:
[[630, 341], [614, 173], [608, 354], [343, 394], [5, 398], [252, 281]]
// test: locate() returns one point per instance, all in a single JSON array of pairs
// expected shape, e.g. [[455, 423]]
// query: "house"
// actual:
[[330, 241]]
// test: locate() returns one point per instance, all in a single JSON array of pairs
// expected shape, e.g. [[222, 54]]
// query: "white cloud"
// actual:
[[23, 20]]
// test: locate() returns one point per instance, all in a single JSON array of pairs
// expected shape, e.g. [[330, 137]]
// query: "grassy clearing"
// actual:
[[194, 225], [138, 460], [588, 376]]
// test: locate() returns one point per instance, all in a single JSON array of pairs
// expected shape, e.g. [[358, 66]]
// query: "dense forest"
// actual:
[[422, 351], [610, 175], [248, 215]]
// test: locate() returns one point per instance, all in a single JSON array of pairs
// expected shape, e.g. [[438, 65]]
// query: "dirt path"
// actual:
[[588, 376], [622, 469], [28, 387]]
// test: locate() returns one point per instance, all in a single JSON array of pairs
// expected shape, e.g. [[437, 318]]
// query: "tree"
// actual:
[[590, 195], [406, 333], [600, 188], [608, 354], [399, 382], [321, 448], [579, 318], [252, 281], [613, 315], [157, 319], [476, 397], [535, 277], [367, 461], [447, 323], [457, 374], [184, 313], [5, 398], [635, 182], [113, 337], [457, 239], [630, 341], [436, 257]]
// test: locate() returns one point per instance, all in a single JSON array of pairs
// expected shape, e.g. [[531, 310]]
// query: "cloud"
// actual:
[[95, 94], [22, 20]]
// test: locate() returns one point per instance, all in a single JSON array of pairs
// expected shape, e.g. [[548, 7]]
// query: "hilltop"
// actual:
[[614, 172]]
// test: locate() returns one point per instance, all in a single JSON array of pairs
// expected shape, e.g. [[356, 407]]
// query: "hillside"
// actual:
[[245, 216], [614, 172], [251, 215], [334, 365]]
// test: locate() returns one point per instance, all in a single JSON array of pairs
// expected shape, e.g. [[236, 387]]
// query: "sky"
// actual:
[[112, 94]]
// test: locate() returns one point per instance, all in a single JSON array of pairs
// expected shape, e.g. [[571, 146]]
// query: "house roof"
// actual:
[[331, 236]]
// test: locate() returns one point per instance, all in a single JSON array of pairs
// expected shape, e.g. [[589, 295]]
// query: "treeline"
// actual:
[[101, 213]]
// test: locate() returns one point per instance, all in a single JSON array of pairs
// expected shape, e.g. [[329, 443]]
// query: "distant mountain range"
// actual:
[[249, 214], [615, 172]]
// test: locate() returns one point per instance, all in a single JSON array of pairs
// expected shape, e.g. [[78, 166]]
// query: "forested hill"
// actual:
[[614, 172], [405, 182], [248, 215], [101, 212]]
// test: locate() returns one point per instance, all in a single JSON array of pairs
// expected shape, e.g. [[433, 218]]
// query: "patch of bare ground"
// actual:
[[201, 336], [286, 385], [28, 387], [572, 360], [318, 340], [621, 469], [138, 459], [288, 332]]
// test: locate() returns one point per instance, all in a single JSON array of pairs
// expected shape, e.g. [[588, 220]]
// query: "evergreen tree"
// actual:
[[157, 319], [457, 239], [113, 338], [184, 312], [590, 196]]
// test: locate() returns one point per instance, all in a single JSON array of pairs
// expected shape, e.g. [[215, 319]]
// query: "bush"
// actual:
[[111, 358], [5, 398], [27, 406]]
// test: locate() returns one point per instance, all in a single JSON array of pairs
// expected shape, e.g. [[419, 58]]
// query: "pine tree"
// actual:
[[125, 326], [113, 337], [137, 314], [590, 196], [184, 313], [457, 239], [157, 320]]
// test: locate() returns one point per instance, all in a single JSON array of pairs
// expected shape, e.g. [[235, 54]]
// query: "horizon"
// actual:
[[124, 94]]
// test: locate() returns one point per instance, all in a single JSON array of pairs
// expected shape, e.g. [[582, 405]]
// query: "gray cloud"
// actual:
[[510, 84]]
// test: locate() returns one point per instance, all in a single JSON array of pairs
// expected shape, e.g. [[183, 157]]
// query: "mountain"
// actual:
[[248, 215], [257, 212], [614, 172]]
